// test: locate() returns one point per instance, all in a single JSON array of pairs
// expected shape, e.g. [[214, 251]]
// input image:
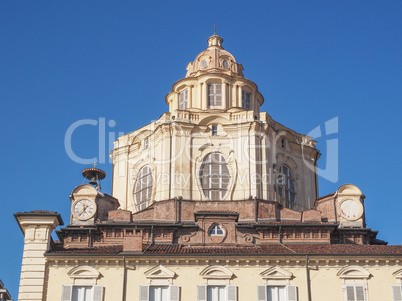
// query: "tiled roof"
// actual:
[[40, 212], [97, 250], [168, 249]]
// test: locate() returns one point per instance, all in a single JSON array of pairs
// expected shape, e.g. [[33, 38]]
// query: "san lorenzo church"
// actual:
[[213, 201]]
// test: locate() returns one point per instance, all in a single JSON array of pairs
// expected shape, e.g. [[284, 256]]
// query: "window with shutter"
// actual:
[[231, 293], [143, 187], [214, 176], [355, 293], [201, 293], [144, 292], [183, 99], [98, 292], [174, 293], [66, 292], [82, 293], [262, 293], [214, 95], [291, 292], [397, 292]]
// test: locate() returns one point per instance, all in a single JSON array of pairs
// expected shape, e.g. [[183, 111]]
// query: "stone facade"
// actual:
[[214, 201]]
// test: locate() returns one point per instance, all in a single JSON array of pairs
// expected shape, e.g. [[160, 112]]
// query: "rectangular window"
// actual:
[[355, 293], [82, 293], [216, 293], [183, 99], [246, 100], [159, 293], [397, 292], [214, 95], [214, 130], [277, 293]]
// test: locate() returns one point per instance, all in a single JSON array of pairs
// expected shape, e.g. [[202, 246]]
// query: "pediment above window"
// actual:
[[276, 273], [160, 272], [398, 274], [84, 275], [216, 272], [353, 272]]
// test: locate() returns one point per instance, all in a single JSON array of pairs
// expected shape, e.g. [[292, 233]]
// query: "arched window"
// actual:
[[286, 188], [215, 176], [143, 188]]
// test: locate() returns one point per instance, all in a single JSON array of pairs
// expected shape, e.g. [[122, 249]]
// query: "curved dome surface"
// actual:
[[214, 59]]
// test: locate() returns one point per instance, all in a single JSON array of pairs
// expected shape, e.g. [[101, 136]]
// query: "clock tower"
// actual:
[[88, 203], [350, 207]]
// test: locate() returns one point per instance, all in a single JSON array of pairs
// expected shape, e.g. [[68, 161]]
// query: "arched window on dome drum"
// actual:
[[183, 99], [143, 188], [214, 95], [215, 176], [286, 188], [246, 100]]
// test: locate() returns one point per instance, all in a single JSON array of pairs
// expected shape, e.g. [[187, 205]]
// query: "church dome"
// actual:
[[214, 59]]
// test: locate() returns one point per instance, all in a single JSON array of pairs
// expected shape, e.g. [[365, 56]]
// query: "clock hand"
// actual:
[[83, 209]]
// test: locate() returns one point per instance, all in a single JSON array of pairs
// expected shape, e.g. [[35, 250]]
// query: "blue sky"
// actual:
[[64, 61]]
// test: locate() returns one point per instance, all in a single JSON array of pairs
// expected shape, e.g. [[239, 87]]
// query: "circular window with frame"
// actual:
[[225, 64], [204, 64], [216, 230]]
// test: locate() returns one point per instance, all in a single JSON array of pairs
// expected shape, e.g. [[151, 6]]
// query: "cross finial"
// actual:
[[215, 29], [94, 164]]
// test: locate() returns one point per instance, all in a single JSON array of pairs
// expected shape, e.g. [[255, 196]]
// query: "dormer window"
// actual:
[[183, 99], [246, 100], [214, 95], [216, 230]]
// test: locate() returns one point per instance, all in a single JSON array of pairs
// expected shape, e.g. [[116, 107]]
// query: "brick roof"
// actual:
[[170, 249]]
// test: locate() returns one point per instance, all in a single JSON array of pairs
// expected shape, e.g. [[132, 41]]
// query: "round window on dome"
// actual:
[[225, 64], [204, 64]]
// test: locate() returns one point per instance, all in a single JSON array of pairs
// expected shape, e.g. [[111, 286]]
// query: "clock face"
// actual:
[[351, 209], [83, 209]]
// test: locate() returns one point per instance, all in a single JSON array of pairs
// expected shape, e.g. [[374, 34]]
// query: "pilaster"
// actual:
[[37, 227]]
